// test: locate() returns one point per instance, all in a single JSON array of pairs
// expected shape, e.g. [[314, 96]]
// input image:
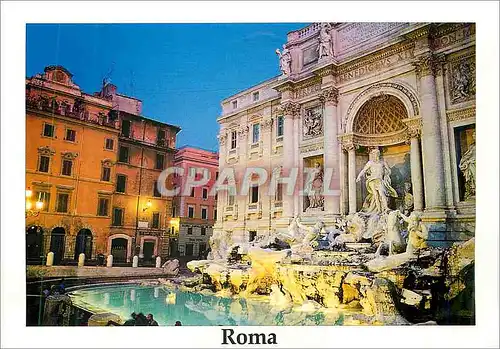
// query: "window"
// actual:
[[43, 166], [121, 182], [255, 133], [235, 104], [160, 158], [192, 192], [44, 197], [126, 128], [123, 156], [102, 207], [156, 192], [254, 195], [233, 140], [203, 231], [255, 96], [174, 211], [190, 211], [67, 166], [216, 175], [204, 213], [110, 144], [279, 192], [70, 135], [279, 126], [192, 172], [156, 220], [205, 193], [62, 202], [117, 217], [48, 130], [230, 200], [106, 174], [160, 138], [190, 231], [215, 214]]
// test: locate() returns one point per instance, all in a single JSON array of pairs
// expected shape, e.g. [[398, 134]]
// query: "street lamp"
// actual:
[[147, 206], [30, 212]]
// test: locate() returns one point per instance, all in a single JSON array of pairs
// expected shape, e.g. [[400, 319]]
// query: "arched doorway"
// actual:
[[57, 240], [34, 244], [119, 249], [83, 244]]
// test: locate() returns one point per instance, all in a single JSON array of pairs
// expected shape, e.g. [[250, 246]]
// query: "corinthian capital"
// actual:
[[330, 95], [426, 64], [222, 138], [290, 109]]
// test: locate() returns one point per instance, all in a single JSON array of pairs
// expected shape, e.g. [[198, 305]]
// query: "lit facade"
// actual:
[[71, 142], [405, 88], [140, 214]]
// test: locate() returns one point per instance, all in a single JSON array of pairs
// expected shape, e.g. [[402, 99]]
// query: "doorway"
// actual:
[[84, 244], [34, 244], [189, 249], [57, 240], [119, 250], [148, 250]]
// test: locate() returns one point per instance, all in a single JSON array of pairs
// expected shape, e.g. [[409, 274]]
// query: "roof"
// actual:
[[187, 146], [251, 87]]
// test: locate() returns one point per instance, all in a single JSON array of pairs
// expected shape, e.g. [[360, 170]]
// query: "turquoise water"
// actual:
[[195, 309]]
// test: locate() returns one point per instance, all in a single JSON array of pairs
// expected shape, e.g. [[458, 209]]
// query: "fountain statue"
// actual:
[[378, 184]]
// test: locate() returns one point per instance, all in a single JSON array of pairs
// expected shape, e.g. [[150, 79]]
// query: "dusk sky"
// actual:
[[181, 72]]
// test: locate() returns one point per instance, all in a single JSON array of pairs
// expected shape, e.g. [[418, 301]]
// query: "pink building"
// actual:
[[194, 213]]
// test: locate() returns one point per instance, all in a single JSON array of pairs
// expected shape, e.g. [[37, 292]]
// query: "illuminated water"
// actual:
[[196, 309]]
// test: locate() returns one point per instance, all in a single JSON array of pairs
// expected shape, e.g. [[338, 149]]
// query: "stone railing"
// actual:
[[74, 111]]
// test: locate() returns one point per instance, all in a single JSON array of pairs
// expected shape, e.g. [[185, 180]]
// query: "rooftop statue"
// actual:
[[378, 184], [325, 46], [285, 60]]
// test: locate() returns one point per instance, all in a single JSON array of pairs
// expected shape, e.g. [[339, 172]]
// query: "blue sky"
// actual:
[[181, 72]]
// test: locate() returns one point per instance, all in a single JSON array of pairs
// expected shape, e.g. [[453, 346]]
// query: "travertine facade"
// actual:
[[405, 88]]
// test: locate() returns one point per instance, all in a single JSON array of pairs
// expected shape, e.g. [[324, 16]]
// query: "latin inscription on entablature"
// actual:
[[357, 33], [307, 148], [376, 65], [449, 39], [306, 91]]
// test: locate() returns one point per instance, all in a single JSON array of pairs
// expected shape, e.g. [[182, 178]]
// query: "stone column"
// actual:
[[435, 191], [414, 130], [345, 182], [266, 127], [300, 177], [290, 110], [331, 147], [351, 154]]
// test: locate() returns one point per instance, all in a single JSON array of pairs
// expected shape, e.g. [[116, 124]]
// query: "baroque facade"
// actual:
[[407, 89], [75, 167], [194, 212]]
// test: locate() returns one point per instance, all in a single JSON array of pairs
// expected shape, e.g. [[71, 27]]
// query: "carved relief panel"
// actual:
[[462, 79], [312, 122]]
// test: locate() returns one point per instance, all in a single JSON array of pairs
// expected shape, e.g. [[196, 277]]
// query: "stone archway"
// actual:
[[387, 120], [34, 244], [83, 244], [57, 244], [120, 246]]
